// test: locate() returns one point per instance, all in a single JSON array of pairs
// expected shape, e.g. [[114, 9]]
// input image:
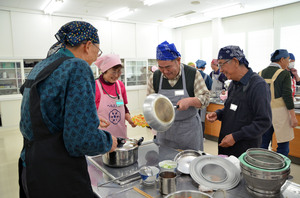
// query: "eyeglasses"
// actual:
[[116, 72], [221, 65], [100, 51]]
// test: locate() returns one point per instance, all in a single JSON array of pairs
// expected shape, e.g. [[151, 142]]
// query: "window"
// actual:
[[260, 46]]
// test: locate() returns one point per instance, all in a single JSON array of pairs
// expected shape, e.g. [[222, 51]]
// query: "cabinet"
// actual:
[[10, 76], [137, 72], [213, 128]]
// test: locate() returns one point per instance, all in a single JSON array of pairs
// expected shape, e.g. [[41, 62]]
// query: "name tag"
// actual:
[[119, 102], [179, 93], [233, 107]]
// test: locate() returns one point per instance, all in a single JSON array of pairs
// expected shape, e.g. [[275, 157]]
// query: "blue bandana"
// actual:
[[232, 51], [166, 51], [292, 57], [74, 33], [278, 54], [200, 64]]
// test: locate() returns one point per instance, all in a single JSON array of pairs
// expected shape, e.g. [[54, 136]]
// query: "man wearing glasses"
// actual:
[[247, 112], [59, 119], [185, 87]]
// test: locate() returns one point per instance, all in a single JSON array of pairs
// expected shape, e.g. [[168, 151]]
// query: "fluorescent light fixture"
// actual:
[[123, 12], [151, 2], [52, 6]]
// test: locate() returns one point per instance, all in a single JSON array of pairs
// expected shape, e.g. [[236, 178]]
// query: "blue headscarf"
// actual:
[[200, 64], [166, 51], [292, 57], [278, 54], [74, 33], [232, 51]]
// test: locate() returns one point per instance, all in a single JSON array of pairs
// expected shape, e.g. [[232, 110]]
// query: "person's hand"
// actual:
[[227, 141], [129, 120], [294, 122], [103, 123], [211, 117], [114, 144], [132, 123], [294, 72], [183, 104]]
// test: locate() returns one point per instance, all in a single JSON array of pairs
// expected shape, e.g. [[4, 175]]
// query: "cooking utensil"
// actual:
[[124, 155], [265, 159], [263, 182], [142, 192], [167, 182], [120, 178], [200, 172], [188, 193], [159, 112], [149, 179], [184, 159]]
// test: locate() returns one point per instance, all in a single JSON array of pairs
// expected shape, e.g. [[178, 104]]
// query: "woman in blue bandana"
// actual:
[[185, 87], [247, 112], [283, 113], [59, 119]]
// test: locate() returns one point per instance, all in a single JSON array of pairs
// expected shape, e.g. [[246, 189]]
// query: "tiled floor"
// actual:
[[11, 144]]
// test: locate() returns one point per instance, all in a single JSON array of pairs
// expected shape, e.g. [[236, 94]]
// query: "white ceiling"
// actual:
[[158, 13]]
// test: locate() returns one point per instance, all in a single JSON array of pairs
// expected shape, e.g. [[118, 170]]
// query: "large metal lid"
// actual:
[[214, 172]]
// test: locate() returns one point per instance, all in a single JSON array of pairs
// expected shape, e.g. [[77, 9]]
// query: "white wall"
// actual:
[[258, 34]]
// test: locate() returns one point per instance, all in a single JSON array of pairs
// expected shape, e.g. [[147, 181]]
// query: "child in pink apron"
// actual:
[[111, 98]]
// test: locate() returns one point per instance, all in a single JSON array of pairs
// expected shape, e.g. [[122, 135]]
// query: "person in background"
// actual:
[[294, 74], [218, 79], [283, 113], [111, 97], [184, 86], [200, 65], [191, 64], [59, 119], [247, 112]]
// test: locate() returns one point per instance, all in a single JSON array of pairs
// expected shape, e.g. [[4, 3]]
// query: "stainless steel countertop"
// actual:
[[150, 154]]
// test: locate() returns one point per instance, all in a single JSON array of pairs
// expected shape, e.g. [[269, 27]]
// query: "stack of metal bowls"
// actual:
[[264, 171]]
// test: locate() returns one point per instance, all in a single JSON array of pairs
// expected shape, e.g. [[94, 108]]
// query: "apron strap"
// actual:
[[271, 82], [38, 125]]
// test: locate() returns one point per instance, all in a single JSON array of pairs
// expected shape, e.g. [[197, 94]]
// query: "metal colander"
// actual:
[[264, 159]]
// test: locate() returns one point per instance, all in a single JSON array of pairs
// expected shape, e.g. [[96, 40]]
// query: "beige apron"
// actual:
[[280, 115]]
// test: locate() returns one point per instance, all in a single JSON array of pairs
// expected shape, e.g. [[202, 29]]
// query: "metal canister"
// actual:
[[167, 182]]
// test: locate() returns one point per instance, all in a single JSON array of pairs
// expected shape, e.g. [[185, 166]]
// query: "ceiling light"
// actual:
[[151, 2], [52, 6], [123, 12]]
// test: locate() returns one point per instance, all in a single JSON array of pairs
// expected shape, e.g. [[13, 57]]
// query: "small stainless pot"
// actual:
[[159, 112], [124, 155]]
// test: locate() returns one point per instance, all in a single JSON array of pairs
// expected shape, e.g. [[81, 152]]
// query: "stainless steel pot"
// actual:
[[159, 112], [125, 155]]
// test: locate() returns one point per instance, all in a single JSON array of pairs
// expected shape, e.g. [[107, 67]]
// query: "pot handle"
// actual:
[[140, 141], [121, 142]]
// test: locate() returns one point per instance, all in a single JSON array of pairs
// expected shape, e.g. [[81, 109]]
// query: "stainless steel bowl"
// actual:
[[213, 173], [158, 112], [264, 182], [184, 160], [187, 194]]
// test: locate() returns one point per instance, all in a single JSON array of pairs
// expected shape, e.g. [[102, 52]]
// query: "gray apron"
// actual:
[[217, 86], [186, 131]]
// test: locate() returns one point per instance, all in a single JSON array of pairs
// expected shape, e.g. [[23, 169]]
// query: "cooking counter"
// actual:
[[150, 154]]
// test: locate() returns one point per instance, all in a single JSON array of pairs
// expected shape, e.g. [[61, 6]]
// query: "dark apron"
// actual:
[[233, 121], [186, 131], [50, 170]]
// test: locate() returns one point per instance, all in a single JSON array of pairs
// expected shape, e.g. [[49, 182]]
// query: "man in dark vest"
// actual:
[[59, 119], [185, 87], [247, 112]]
